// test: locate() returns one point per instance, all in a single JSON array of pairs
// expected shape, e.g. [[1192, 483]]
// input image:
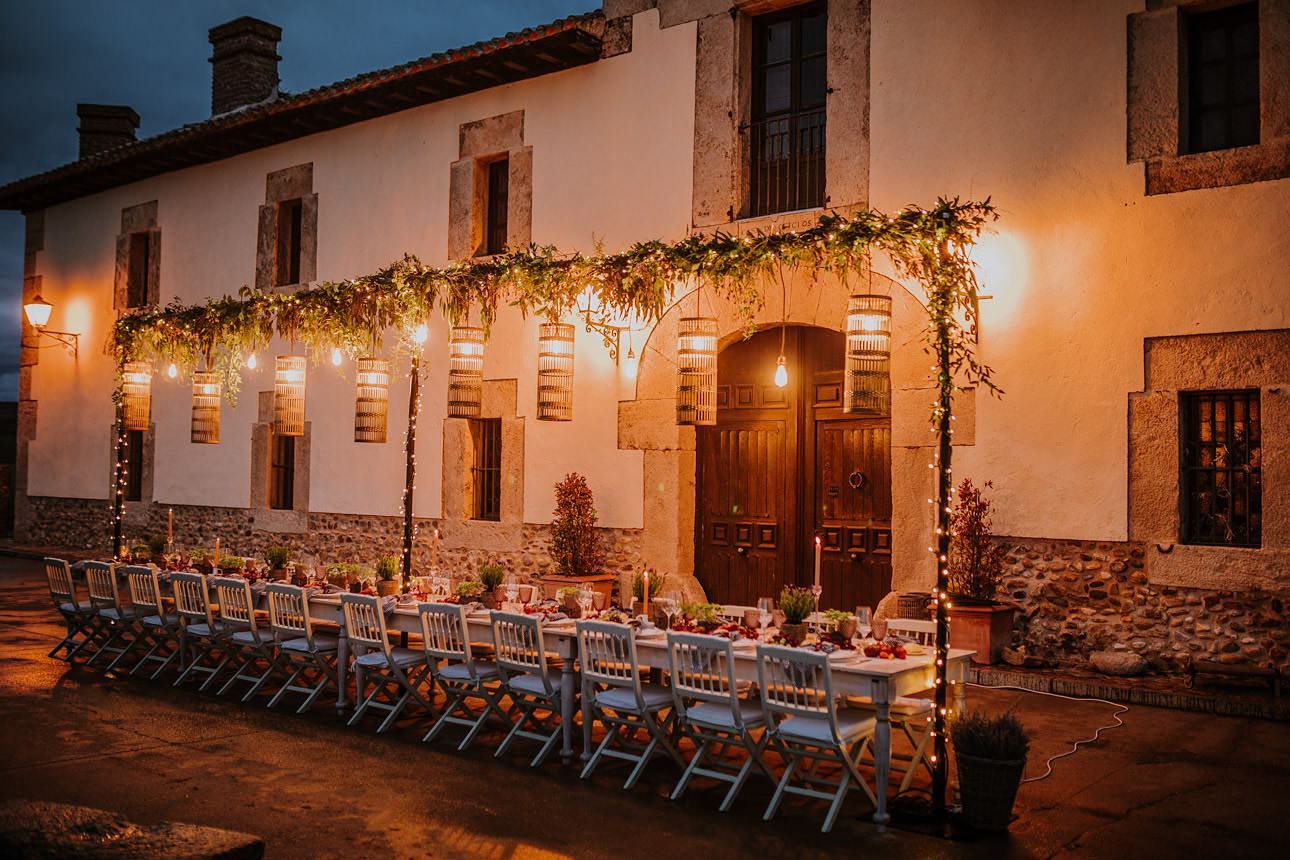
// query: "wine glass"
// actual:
[[585, 596], [668, 603], [765, 610], [512, 589]]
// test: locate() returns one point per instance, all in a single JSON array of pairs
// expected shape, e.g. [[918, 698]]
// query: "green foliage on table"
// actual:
[[157, 544], [837, 616], [702, 613], [1000, 738], [387, 567], [197, 554], [567, 593], [796, 604], [491, 575], [231, 562], [469, 590], [276, 557], [656, 581], [140, 552]]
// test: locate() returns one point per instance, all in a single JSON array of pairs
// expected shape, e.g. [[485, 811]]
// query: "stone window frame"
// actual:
[[1155, 88], [459, 530], [723, 103], [282, 186], [141, 218], [263, 517], [1208, 362], [480, 143]]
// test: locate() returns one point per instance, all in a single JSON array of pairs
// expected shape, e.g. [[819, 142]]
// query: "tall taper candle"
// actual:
[[645, 592], [170, 524], [818, 542], [215, 560]]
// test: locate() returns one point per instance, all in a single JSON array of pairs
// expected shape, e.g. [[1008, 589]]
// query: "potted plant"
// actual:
[[197, 560], [468, 591], [276, 557], [157, 550], [140, 553], [705, 617], [797, 604], [491, 576], [568, 599], [991, 757], [843, 622], [979, 622], [656, 581], [230, 564], [387, 575], [577, 547]]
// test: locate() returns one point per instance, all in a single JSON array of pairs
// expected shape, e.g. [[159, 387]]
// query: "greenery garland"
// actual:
[[929, 245]]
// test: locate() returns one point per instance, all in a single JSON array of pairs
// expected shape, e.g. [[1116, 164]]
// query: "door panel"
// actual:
[[853, 510]]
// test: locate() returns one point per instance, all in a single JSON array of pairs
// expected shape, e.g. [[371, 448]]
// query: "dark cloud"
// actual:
[[152, 56]]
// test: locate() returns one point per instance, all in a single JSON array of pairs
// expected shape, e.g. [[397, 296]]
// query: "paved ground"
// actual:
[[1167, 784]]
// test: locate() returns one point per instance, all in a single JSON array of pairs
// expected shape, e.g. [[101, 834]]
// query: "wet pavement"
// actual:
[[1166, 784]]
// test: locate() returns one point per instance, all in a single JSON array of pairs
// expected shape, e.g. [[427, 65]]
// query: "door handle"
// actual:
[[855, 556], [741, 550]]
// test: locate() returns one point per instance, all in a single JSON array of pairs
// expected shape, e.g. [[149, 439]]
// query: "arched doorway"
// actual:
[[783, 464]]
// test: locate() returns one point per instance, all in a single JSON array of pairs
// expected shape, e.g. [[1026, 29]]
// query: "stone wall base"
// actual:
[[1078, 597]]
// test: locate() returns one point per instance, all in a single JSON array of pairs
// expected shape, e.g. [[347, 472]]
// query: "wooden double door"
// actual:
[[785, 464]]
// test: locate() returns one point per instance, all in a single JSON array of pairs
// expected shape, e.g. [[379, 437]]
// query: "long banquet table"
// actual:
[[882, 681]]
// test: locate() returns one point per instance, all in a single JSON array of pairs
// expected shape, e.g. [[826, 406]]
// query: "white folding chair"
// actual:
[[526, 674], [77, 614], [922, 632], [805, 726], [462, 677], [241, 635], [114, 617], [311, 656], [712, 713], [395, 674], [156, 626], [199, 635], [607, 653], [910, 715], [736, 613]]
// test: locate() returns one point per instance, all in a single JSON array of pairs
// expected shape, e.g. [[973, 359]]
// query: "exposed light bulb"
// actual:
[[172, 371], [336, 356], [421, 333], [251, 361], [781, 372]]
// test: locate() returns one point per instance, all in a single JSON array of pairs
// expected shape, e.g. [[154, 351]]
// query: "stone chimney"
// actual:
[[244, 63], [105, 127]]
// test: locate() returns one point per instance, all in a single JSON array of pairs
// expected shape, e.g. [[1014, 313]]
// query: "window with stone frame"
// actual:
[[497, 201], [138, 288], [282, 472], [1221, 481], [287, 250], [135, 451], [486, 469], [1220, 87], [786, 132]]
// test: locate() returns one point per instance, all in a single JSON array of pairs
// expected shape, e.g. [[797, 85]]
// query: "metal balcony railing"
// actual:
[[786, 163]]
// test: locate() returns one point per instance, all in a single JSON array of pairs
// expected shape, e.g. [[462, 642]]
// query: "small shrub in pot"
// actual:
[[991, 756]]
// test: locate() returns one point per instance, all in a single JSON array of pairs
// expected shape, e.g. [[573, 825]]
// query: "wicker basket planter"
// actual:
[[988, 789], [386, 587], [913, 604]]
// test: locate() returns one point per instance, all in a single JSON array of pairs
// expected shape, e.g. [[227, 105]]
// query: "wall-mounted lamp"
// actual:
[[38, 311]]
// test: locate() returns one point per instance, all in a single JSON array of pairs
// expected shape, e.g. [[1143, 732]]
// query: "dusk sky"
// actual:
[[153, 56]]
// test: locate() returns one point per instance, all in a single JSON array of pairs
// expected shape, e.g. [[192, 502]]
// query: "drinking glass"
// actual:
[[765, 608], [585, 597], [669, 603], [512, 589], [878, 629], [864, 617]]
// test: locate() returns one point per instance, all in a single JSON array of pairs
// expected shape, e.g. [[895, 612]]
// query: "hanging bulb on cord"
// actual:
[[251, 361], [781, 372], [172, 371], [336, 356], [421, 333]]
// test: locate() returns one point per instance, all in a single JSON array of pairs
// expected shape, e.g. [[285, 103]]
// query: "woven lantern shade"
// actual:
[[555, 372], [206, 395], [289, 396], [868, 360], [696, 377], [136, 395], [465, 371], [372, 403]]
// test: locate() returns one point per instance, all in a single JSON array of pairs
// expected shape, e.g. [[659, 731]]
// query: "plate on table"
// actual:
[[651, 633], [842, 655]]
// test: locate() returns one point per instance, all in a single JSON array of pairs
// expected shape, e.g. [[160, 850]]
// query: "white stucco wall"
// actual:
[[612, 146]]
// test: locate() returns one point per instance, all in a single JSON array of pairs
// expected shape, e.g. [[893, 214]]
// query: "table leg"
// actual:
[[882, 753], [586, 723], [567, 694], [342, 669]]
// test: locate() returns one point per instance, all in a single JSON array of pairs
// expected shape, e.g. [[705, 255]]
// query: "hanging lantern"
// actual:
[[206, 394], [289, 396], [136, 395], [465, 371], [696, 377], [372, 404], [555, 372], [868, 360]]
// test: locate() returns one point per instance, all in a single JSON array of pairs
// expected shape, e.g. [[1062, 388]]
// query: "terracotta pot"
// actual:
[[488, 597], [985, 629], [386, 587], [794, 634], [278, 574]]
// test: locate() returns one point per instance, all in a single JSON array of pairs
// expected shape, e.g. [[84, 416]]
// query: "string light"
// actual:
[[336, 357], [251, 361], [421, 333], [173, 370]]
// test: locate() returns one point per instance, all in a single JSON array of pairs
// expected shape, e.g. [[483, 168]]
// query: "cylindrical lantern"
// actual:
[[696, 371], [136, 394], [372, 404], [289, 396], [206, 394], [555, 372], [868, 360], [465, 371]]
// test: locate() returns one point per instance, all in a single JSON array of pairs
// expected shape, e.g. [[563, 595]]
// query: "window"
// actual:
[[282, 472], [134, 466], [487, 470], [136, 282], [1222, 87], [498, 201], [1222, 480], [288, 242], [789, 85]]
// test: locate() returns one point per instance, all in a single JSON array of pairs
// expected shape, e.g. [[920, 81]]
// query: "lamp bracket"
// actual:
[[71, 341]]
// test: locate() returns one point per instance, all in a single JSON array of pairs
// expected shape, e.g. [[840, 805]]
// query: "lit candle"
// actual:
[[818, 543], [215, 559], [170, 524], [645, 592]]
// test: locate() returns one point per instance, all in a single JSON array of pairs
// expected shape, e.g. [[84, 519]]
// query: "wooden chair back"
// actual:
[[145, 589], [100, 581], [236, 603], [443, 629], [922, 632], [795, 683], [703, 669], [519, 650], [365, 623], [607, 655], [289, 612], [61, 587], [192, 599]]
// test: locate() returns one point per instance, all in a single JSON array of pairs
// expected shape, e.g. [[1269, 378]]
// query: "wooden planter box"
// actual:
[[983, 629], [601, 583]]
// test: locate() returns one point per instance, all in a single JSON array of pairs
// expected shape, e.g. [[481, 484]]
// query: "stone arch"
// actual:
[[648, 422]]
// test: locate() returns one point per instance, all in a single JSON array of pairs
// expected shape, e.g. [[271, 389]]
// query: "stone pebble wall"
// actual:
[[83, 524], [1079, 597]]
